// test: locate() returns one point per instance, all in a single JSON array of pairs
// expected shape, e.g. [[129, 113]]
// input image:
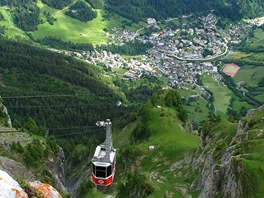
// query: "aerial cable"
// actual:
[[60, 135], [47, 129], [44, 106], [76, 133], [56, 95]]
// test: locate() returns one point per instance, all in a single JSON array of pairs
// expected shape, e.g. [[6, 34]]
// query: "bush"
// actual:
[[135, 186], [81, 11], [86, 186], [141, 132]]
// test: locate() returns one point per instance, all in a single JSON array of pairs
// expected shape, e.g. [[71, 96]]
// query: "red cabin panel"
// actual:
[[102, 181]]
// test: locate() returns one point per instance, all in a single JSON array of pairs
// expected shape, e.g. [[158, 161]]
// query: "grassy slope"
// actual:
[[171, 143], [71, 29], [12, 31], [252, 157], [67, 28]]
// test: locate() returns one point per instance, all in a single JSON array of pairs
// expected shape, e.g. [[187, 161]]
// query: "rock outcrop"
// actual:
[[219, 166], [9, 187]]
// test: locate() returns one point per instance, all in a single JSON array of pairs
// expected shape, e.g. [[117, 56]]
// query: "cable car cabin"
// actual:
[[104, 159], [104, 172]]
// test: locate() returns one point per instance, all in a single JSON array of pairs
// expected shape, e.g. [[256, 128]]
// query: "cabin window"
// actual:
[[109, 170], [100, 171], [93, 169]]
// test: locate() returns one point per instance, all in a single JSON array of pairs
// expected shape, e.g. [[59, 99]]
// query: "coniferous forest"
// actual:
[[28, 71]]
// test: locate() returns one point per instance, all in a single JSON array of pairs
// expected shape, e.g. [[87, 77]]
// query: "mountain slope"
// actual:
[[136, 10], [28, 157], [230, 161], [44, 18], [34, 71], [142, 172]]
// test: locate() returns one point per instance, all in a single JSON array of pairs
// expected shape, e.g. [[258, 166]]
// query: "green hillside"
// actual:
[[55, 23], [9, 27], [67, 28], [239, 147], [171, 141]]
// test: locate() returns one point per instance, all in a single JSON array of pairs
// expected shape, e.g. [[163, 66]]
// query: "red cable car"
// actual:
[[104, 159]]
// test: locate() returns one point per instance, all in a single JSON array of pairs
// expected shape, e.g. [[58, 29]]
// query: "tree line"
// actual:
[[137, 10], [25, 13], [58, 4], [130, 48], [81, 11]]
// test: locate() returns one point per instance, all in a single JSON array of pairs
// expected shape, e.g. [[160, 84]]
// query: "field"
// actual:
[[251, 75], [258, 39], [222, 94], [119, 71], [67, 28], [231, 69]]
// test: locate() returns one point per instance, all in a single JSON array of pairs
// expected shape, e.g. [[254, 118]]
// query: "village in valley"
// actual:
[[180, 52]]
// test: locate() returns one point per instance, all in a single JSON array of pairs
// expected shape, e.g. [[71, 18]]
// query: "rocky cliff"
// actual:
[[230, 163], [29, 158]]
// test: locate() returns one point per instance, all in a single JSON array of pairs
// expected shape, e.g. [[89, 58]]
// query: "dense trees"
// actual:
[[34, 71], [81, 11], [49, 17], [135, 185], [96, 4], [135, 10], [27, 17], [16, 3], [130, 48], [25, 13], [83, 98], [60, 44], [58, 4]]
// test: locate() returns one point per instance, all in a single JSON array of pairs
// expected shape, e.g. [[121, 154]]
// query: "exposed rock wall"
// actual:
[[221, 176]]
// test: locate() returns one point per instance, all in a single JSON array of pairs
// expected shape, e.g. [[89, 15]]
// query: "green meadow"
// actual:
[[222, 94], [250, 74], [67, 28], [258, 39], [171, 143], [197, 109], [70, 29]]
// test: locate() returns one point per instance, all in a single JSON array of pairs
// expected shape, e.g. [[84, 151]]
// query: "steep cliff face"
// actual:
[[4, 116], [28, 158], [230, 167]]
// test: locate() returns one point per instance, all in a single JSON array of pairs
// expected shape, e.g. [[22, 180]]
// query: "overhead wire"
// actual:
[[48, 129], [43, 106], [76, 133], [55, 95]]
